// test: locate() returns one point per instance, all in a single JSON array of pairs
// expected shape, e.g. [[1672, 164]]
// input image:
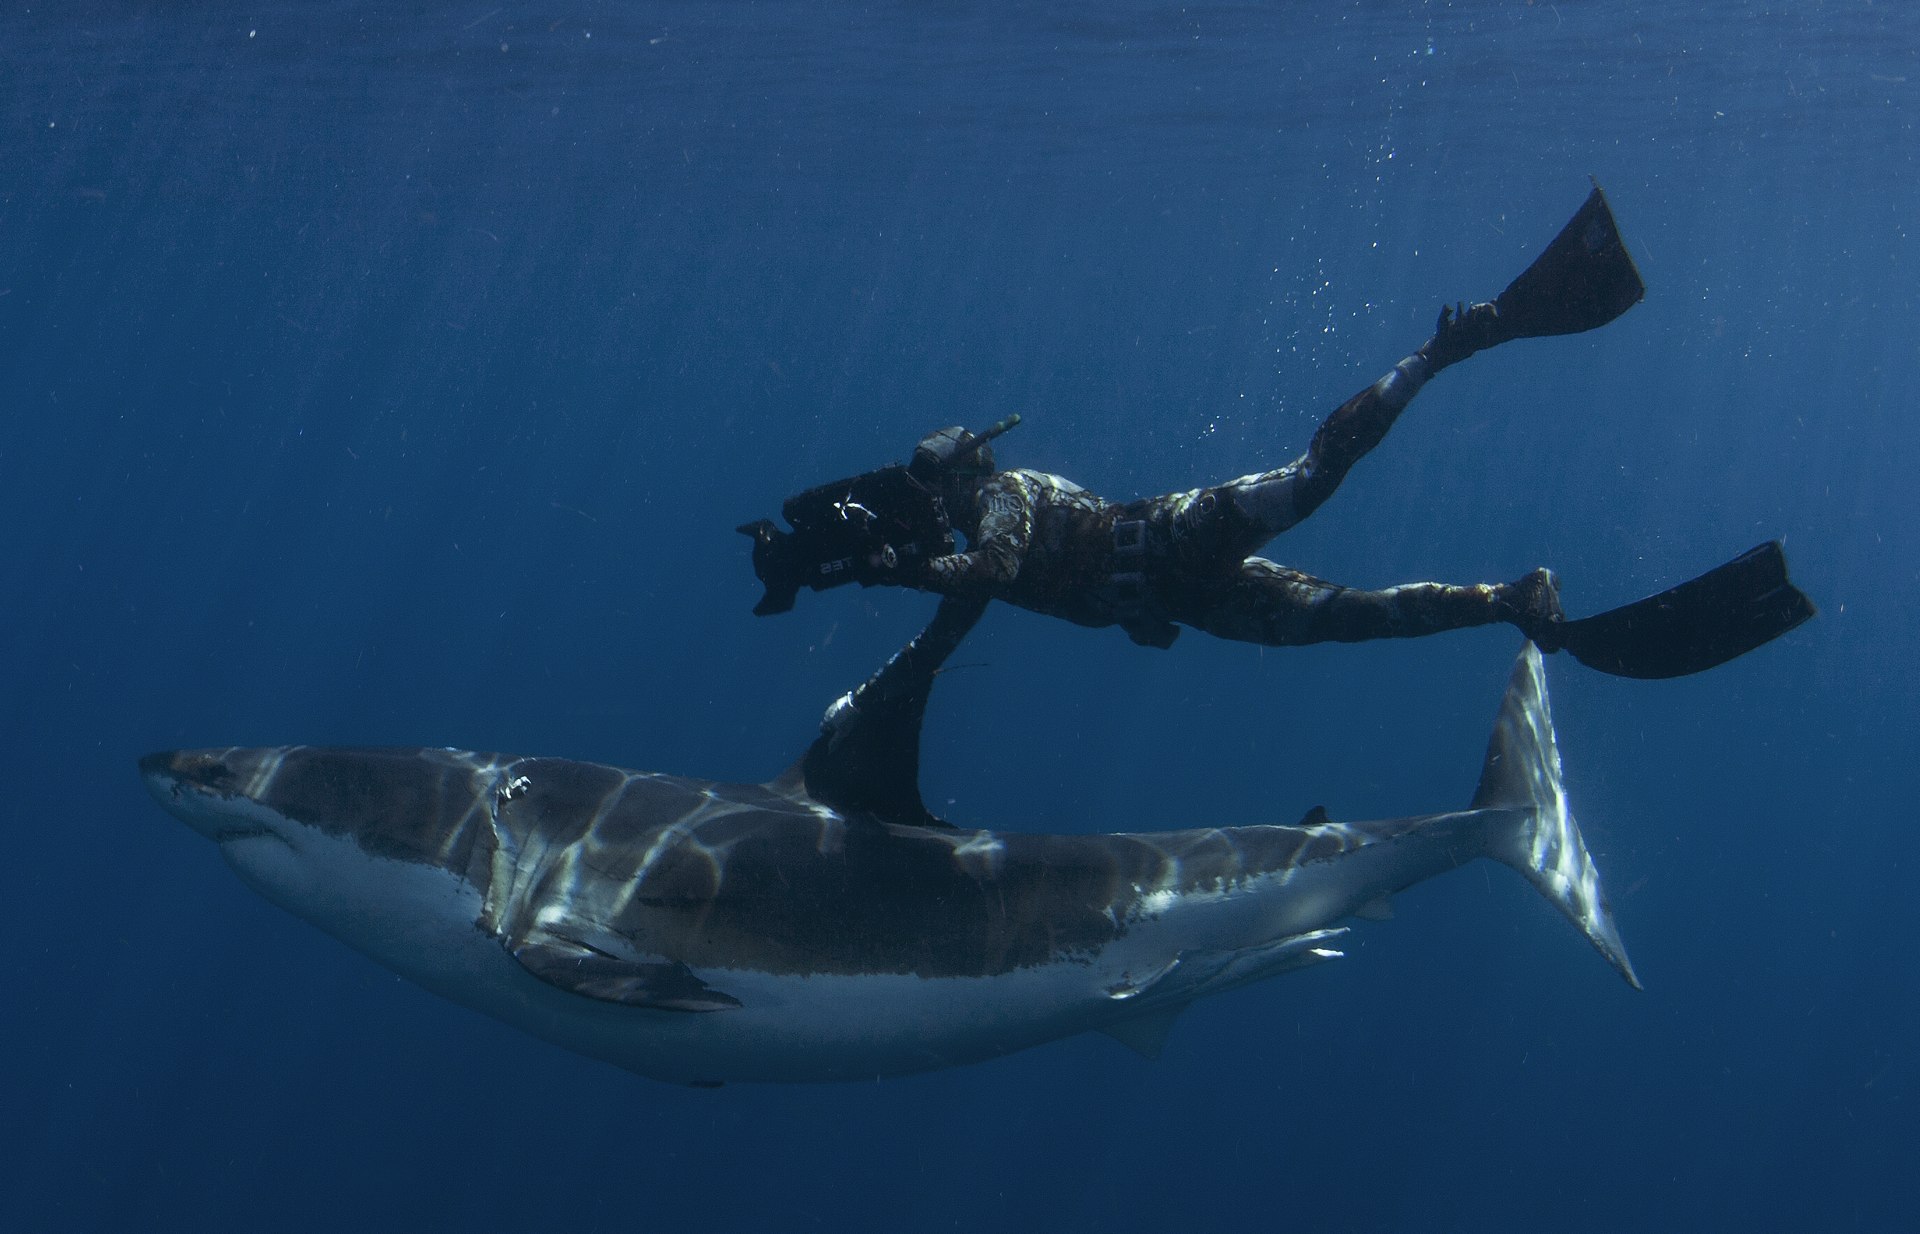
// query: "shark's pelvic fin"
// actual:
[[1146, 1034], [1380, 908]]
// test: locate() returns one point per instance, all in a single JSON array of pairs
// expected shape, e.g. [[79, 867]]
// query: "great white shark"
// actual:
[[823, 925]]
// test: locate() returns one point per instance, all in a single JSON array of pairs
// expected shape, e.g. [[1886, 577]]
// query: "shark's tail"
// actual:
[[1522, 779]]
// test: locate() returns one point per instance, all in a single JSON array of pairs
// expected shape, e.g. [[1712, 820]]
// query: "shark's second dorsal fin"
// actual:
[[866, 759]]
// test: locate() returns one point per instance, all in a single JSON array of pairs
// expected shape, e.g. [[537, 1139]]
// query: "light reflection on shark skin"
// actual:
[[702, 932]]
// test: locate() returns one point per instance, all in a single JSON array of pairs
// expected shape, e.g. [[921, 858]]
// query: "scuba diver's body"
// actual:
[[1046, 544], [1149, 566]]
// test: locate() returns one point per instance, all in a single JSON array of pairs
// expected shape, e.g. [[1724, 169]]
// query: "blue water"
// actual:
[[398, 373]]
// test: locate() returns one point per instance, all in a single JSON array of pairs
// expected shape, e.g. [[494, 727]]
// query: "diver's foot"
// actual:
[[1463, 330], [1533, 604]]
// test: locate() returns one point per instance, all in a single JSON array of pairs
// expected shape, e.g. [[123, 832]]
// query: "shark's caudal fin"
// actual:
[[1522, 776]]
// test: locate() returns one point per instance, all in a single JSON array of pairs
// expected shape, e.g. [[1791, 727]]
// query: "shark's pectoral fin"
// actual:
[[662, 985]]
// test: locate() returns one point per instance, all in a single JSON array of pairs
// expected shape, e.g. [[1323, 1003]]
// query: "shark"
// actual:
[[824, 925]]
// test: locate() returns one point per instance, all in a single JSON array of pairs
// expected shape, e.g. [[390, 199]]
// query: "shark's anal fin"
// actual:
[[867, 757], [662, 985]]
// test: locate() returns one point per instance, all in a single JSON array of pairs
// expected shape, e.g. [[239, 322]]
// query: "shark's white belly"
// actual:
[[420, 921]]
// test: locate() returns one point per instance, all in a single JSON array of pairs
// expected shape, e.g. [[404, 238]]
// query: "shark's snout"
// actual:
[[172, 771], [400, 803], [206, 789]]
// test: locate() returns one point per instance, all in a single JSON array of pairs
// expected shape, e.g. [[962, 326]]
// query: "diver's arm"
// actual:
[[1006, 528]]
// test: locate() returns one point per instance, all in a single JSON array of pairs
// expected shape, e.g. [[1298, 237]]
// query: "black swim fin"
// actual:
[[1584, 280], [1726, 612]]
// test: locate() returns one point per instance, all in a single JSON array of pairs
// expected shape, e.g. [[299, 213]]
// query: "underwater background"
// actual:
[[398, 374]]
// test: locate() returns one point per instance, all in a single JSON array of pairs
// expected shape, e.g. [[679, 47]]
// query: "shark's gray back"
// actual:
[[750, 875]]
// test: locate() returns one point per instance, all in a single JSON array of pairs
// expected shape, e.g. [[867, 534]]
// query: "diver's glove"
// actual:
[[1463, 330]]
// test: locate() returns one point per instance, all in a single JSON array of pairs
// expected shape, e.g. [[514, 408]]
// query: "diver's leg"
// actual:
[[1270, 604], [1583, 280], [1269, 502]]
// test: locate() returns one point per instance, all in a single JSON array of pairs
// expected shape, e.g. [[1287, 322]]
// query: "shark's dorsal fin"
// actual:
[[866, 760], [1316, 817]]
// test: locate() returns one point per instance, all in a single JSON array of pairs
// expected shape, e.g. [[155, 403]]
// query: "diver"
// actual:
[[1149, 566], [1044, 543]]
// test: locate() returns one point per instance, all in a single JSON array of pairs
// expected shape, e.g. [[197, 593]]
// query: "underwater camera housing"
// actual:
[[840, 529]]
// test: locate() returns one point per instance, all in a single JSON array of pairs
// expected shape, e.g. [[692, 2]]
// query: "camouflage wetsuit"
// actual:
[[1046, 544]]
